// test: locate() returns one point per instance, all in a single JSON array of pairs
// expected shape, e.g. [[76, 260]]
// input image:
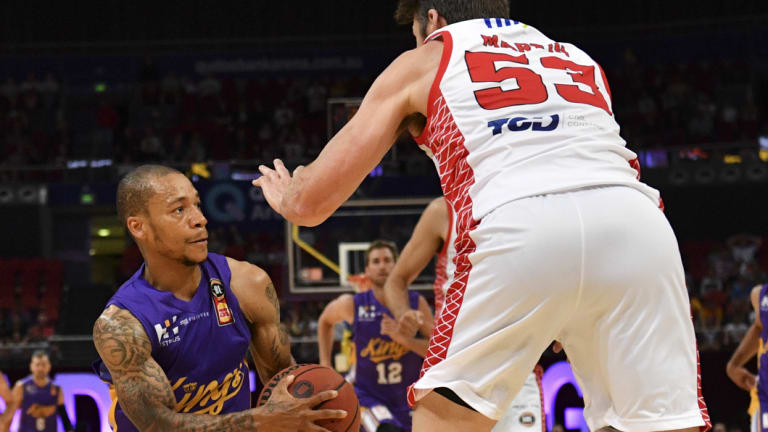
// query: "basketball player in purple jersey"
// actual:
[[386, 362], [174, 338], [5, 394], [755, 342], [39, 399]]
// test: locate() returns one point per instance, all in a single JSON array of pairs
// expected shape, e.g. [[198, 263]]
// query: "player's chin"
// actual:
[[197, 254], [379, 280]]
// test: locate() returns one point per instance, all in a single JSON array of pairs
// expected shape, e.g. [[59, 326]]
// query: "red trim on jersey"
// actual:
[[434, 91], [539, 371], [605, 81], [702, 405], [446, 142], [635, 164]]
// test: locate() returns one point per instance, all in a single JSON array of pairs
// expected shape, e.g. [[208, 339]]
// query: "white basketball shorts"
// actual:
[[597, 269]]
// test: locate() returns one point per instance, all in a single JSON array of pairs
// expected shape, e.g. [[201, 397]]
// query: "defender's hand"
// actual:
[[275, 183], [285, 413]]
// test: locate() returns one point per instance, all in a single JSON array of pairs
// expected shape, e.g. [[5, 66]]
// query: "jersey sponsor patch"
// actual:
[[167, 332], [519, 124], [223, 313], [366, 313]]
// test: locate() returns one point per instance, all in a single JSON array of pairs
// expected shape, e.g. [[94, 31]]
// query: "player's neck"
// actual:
[[177, 278], [40, 382], [378, 292]]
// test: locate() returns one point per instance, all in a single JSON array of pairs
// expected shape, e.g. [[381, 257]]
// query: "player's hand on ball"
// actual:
[[285, 413], [742, 377]]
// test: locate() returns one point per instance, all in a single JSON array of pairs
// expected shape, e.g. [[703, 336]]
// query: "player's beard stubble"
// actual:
[[162, 247]]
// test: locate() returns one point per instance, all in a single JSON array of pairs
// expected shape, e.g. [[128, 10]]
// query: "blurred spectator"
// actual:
[[171, 88], [209, 86], [107, 120], [284, 115], [17, 324], [10, 90], [197, 149], [49, 89], [316, 97], [31, 84], [148, 71], [42, 329], [152, 149], [263, 117], [744, 247]]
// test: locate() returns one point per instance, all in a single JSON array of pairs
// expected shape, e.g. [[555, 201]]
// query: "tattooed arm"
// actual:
[[146, 396], [270, 343]]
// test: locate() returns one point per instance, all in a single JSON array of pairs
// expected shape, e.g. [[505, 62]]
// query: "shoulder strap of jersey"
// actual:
[[413, 298]]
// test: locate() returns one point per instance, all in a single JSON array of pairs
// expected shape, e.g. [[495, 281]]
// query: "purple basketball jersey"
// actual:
[[762, 354], [384, 369], [200, 344], [38, 409]]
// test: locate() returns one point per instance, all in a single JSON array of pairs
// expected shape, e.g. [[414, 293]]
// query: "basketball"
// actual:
[[311, 379]]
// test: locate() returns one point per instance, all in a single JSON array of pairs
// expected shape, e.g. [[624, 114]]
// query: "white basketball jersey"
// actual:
[[513, 114]]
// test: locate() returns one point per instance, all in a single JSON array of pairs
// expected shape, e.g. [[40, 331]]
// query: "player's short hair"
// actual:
[[381, 244], [39, 354], [136, 188], [452, 10]]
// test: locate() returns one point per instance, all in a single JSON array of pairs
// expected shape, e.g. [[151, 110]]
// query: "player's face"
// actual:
[[40, 366], [380, 264], [175, 223]]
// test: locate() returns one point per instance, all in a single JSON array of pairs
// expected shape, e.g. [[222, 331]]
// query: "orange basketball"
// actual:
[[311, 379]]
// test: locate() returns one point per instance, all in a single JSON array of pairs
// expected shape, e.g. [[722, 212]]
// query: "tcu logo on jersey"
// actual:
[[764, 303], [519, 124]]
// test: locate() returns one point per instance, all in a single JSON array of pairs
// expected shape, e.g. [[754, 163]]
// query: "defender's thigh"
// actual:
[[518, 289], [631, 343]]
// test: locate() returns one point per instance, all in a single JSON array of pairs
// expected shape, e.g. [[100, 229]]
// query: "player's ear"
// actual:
[[136, 226], [435, 21]]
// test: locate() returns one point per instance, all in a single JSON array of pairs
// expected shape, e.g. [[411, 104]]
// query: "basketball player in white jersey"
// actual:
[[556, 238], [433, 235]]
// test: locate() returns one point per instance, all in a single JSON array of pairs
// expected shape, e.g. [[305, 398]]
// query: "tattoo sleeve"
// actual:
[[270, 342], [142, 387]]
